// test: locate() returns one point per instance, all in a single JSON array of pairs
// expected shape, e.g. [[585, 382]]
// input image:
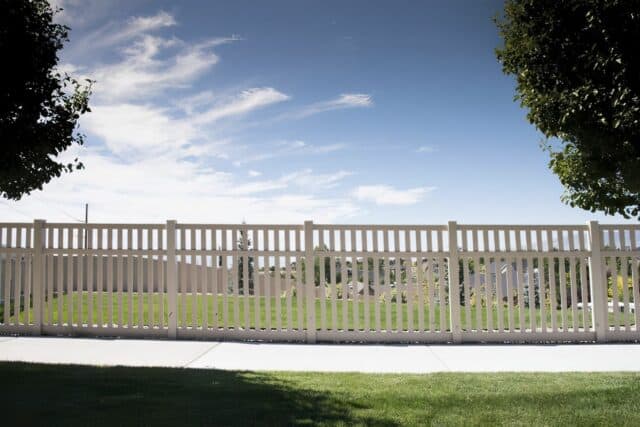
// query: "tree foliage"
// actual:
[[244, 244], [578, 73], [39, 106]]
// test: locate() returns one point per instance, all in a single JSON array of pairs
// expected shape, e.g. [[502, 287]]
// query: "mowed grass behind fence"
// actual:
[[145, 309]]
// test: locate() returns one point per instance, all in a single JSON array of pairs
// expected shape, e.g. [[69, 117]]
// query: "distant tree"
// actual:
[[577, 68], [471, 271], [244, 244], [39, 106], [327, 268]]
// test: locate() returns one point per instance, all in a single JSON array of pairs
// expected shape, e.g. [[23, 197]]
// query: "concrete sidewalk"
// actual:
[[323, 358]]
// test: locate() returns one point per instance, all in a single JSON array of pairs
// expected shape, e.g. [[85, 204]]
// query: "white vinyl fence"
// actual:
[[332, 283]]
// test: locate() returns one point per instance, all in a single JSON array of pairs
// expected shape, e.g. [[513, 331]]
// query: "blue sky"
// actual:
[[343, 112]]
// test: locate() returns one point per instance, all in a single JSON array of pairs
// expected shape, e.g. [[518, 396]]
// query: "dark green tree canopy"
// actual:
[[577, 65], [39, 107]]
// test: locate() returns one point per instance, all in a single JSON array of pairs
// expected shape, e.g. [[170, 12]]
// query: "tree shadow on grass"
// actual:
[[71, 395], [91, 396]]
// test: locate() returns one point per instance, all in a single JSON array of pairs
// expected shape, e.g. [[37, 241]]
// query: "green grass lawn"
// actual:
[[195, 306], [80, 396]]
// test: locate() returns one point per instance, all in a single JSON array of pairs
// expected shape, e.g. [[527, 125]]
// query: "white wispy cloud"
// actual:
[[130, 128], [118, 32], [245, 102], [307, 179], [284, 149], [328, 148], [304, 178], [134, 27], [426, 149], [388, 195], [346, 100], [191, 104], [142, 73]]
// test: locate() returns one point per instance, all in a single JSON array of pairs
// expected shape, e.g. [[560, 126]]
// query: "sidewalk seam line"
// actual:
[[446, 367], [202, 354]]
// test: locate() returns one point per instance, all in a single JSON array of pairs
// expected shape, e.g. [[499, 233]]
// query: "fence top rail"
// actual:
[[317, 226], [95, 225], [510, 227], [240, 226], [379, 227], [619, 227], [15, 224]]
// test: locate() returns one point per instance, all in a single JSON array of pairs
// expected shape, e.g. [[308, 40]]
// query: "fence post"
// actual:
[[599, 297], [454, 283], [309, 281], [38, 273], [172, 279]]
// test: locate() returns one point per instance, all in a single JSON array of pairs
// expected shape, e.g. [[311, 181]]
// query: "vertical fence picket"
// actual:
[[584, 293], [299, 281], [276, 280], [419, 281], [99, 278], [432, 295], [344, 274], [531, 290], [140, 277], [172, 280], [7, 279], [498, 267], [365, 283], [256, 287], [636, 290], [119, 277], [612, 263], [225, 279], [510, 297], [321, 285], [246, 279], [376, 292], [332, 279], [488, 289], [214, 278], [204, 284], [267, 280], [235, 262], [625, 293], [50, 259], [309, 283], [193, 279], [563, 293], [583, 281], [408, 266], [466, 282], [355, 275], [287, 279], [574, 293], [110, 293], [130, 262], [67, 280]]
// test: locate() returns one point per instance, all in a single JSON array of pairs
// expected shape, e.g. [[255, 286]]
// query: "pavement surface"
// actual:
[[323, 358]]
